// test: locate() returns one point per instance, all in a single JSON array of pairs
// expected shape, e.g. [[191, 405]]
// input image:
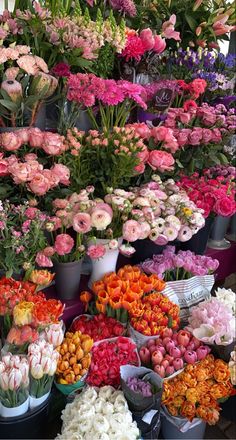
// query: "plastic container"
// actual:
[[30, 425], [170, 431]]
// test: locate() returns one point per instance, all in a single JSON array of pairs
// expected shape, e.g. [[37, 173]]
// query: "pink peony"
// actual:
[[131, 230], [39, 185], [225, 206], [36, 137], [82, 222], [63, 244], [161, 160], [96, 251], [10, 141], [62, 173], [23, 135], [42, 260]]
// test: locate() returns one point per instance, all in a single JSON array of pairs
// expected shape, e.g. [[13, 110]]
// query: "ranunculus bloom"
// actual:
[[96, 251], [42, 260], [131, 230], [63, 244], [82, 222]]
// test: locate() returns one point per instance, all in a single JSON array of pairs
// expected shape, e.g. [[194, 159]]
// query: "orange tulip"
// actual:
[[129, 300], [126, 273], [157, 283], [115, 301], [98, 285], [135, 310], [103, 297], [135, 290], [114, 287], [125, 286], [145, 283], [100, 307], [85, 296], [110, 277]]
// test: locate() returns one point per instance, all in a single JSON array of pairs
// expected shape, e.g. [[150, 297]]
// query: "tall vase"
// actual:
[[217, 236], [106, 264], [231, 233], [67, 279]]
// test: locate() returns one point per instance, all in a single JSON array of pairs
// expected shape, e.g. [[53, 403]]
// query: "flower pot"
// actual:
[[67, 279], [106, 264], [218, 231], [231, 233], [16, 411], [171, 431], [198, 242]]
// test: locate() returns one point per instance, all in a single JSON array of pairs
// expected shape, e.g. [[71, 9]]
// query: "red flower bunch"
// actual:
[[47, 312], [212, 195], [98, 326], [153, 313], [107, 357], [195, 88], [12, 292]]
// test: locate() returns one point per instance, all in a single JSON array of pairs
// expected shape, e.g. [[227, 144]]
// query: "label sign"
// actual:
[[163, 98]]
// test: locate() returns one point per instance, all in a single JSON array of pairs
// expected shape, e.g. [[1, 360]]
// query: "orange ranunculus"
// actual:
[[111, 276], [85, 296], [188, 410], [98, 285], [114, 287], [100, 307], [115, 301], [103, 297]]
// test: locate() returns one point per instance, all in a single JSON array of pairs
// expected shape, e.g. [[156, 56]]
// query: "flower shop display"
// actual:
[[14, 385], [171, 351], [43, 361], [102, 412], [189, 277], [25, 86], [143, 390], [107, 358], [98, 327], [213, 322], [115, 294], [74, 361], [195, 392]]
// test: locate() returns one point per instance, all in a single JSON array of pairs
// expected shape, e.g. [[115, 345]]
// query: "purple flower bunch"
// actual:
[[183, 265], [140, 386], [225, 172]]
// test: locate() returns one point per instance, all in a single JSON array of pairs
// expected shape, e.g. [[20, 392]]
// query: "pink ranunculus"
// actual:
[[206, 135], [147, 38], [63, 244], [225, 206], [82, 222], [140, 168], [145, 230], [62, 172], [159, 45], [49, 251], [127, 250], [36, 137], [10, 141], [60, 203], [144, 154], [96, 251], [39, 185], [100, 218], [42, 260], [53, 144], [161, 160], [31, 213], [131, 230]]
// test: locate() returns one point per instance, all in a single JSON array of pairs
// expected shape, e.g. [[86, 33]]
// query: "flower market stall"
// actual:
[[117, 218]]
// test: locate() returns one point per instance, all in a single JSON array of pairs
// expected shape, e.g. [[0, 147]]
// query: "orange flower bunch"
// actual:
[[196, 391], [118, 293], [153, 313]]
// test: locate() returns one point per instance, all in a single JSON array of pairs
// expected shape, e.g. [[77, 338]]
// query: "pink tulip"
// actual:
[[2, 367], [15, 379], [190, 346], [196, 342], [160, 370], [178, 364], [147, 38], [175, 352], [167, 332], [152, 348], [157, 357], [170, 370], [190, 357], [162, 349], [175, 337], [151, 342], [166, 340], [169, 358], [4, 382], [169, 345], [182, 349], [159, 45], [202, 352], [183, 337], [145, 355], [165, 363]]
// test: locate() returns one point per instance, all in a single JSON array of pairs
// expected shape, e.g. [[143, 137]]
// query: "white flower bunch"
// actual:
[[228, 297], [98, 413]]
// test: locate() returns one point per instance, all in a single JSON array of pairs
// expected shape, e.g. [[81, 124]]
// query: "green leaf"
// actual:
[[191, 22], [9, 105]]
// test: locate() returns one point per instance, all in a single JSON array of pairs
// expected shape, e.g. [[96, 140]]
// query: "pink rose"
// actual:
[[53, 144], [147, 38], [143, 155], [36, 137], [206, 135], [10, 141], [225, 206], [131, 230], [30, 157], [39, 185], [185, 118], [161, 160], [62, 172], [20, 172], [141, 129], [82, 222], [23, 135], [42, 260], [60, 203], [140, 168], [96, 251], [63, 244], [216, 135], [195, 136], [159, 45], [31, 212], [3, 166], [183, 136]]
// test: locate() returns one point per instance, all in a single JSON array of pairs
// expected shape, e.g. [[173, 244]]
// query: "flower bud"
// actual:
[[37, 371], [13, 89], [46, 364], [43, 84], [49, 226], [198, 31], [26, 266], [4, 381], [197, 4], [52, 369], [15, 379]]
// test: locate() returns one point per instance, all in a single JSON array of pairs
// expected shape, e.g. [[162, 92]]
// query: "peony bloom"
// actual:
[[63, 244], [36, 137], [96, 251], [82, 222], [61, 172], [131, 230], [225, 206], [39, 185]]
